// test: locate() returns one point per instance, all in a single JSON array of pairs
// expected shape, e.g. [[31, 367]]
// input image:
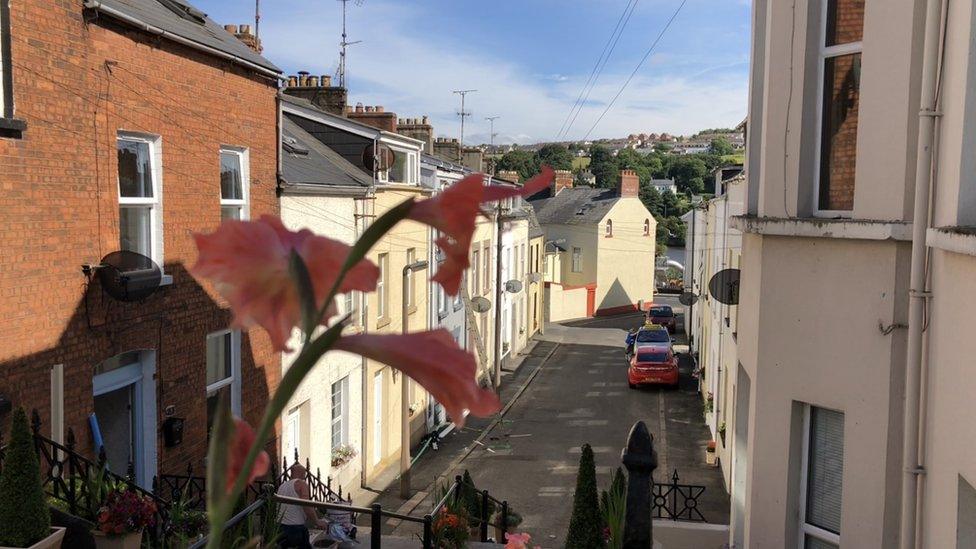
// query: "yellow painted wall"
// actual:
[[624, 263], [565, 304], [535, 307]]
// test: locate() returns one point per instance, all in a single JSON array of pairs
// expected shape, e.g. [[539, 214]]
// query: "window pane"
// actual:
[[135, 169], [845, 21], [398, 171], [230, 212], [811, 542], [231, 187], [825, 469], [213, 398], [219, 358], [842, 77], [135, 230]]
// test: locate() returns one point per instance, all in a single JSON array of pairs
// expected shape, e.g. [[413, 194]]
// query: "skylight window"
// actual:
[[184, 11]]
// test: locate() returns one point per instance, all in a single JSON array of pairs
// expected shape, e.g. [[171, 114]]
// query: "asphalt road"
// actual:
[[581, 396]]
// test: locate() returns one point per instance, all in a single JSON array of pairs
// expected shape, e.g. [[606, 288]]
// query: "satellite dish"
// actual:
[[687, 298], [480, 304], [513, 286], [724, 286], [378, 158], [129, 276]]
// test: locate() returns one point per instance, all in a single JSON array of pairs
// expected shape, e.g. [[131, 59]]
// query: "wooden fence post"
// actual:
[[640, 459]]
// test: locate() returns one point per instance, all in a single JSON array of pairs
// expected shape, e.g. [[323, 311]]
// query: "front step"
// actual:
[[398, 542]]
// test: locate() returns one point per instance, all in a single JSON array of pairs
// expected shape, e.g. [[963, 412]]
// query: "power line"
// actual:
[[598, 67], [637, 68]]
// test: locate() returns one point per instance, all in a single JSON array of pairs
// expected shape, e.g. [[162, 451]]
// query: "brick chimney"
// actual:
[[244, 34], [629, 185], [448, 149], [375, 116], [418, 128], [563, 180], [319, 91], [508, 175]]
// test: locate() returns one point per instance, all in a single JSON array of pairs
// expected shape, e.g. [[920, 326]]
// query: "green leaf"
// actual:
[[223, 506], [306, 293], [220, 441], [369, 238]]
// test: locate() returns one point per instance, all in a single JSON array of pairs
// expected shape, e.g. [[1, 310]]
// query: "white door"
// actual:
[[292, 434], [377, 417]]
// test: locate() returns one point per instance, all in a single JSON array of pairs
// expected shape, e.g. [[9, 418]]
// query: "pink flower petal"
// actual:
[[244, 438], [248, 263], [434, 360]]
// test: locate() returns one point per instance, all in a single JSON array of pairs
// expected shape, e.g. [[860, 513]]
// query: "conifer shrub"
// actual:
[[24, 516], [586, 523]]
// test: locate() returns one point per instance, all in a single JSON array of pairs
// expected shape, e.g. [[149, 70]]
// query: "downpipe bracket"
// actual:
[[920, 294], [916, 470], [930, 113]]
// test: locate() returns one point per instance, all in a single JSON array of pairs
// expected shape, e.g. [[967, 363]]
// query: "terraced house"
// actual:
[[127, 126]]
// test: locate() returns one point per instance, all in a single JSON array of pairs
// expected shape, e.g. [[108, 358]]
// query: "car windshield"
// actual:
[[661, 311], [652, 357], [653, 336]]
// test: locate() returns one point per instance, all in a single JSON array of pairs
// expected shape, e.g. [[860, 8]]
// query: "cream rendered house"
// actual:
[[609, 240], [852, 319]]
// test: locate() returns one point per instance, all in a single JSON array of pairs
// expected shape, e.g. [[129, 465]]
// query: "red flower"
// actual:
[[248, 262], [244, 438], [453, 213], [434, 360]]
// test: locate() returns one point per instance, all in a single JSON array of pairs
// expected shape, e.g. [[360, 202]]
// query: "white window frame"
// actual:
[[235, 370], [577, 260], [382, 283], [476, 271], [155, 204], [411, 166], [827, 52], [244, 203], [343, 420], [6, 65], [411, 293], [442, 300], [804, 529]]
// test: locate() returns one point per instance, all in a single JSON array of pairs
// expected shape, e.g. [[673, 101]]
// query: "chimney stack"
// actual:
[[629, 186], [375, 116], [562, 180], [448, 149], [473, 158], [244, 34], [418, 128], [318, 90], [508, 175]]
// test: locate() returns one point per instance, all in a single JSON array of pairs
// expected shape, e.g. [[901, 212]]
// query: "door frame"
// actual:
[[141, 375]]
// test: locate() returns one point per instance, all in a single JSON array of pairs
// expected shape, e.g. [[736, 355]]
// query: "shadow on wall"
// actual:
[[616, 298], [173, 323]]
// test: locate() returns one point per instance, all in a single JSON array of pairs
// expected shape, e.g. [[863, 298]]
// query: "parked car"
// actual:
[[652, 334], [653, 364], [662, 315]]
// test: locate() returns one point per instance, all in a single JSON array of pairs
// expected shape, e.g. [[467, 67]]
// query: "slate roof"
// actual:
[[184, 21], [575, 206], [306, 161], [535, 230]]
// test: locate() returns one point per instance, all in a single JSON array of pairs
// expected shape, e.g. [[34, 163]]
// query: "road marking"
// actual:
[[587, 422], [663, 442]]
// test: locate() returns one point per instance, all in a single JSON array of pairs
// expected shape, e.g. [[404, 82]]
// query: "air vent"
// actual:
[[292, 146]]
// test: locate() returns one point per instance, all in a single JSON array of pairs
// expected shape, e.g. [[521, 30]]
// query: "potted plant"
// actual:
[[450, 530], [512, 521], [122, 519], [709, 403], [25, 520], [721, 433], [342, 455], [710, 453]]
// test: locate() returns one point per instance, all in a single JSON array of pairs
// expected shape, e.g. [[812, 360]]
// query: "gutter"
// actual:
[[99, 6], [314, 189]]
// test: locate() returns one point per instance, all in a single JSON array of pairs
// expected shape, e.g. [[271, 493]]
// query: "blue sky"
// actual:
[[528, 59]]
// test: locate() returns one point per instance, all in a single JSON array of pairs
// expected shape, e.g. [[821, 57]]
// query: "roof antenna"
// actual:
[[344, 43], [257, 20]]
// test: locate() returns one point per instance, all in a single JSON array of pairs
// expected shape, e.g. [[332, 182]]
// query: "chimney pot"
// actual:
[[245, 29], [378, 108], [313, 81], [326, 81], [368, 108], [425, 119], [292, 81], [303, 78], [359, 107], [231, 29]]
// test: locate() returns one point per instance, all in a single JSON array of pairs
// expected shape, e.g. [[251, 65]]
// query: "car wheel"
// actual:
[[632, 386]]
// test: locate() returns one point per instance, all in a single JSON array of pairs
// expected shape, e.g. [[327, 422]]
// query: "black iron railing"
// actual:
[[677, 501]]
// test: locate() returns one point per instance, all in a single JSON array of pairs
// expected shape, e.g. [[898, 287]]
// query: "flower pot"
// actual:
[[129, 540], [51, 542]]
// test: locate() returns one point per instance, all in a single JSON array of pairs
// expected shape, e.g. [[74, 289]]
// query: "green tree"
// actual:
[[519, 161], [24, 516], [663, 147], [585, 525], [689, 173], [555, 156], [604, 166], [720, 146]]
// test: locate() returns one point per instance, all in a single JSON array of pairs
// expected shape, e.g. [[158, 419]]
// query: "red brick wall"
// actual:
[[76, 84]]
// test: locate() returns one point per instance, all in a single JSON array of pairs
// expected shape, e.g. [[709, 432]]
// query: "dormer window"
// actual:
[[608, 231]]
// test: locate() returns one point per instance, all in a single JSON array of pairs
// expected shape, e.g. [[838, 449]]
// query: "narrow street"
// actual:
[[580, 395]]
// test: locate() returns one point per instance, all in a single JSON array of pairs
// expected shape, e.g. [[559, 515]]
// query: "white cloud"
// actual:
[[411, 69]]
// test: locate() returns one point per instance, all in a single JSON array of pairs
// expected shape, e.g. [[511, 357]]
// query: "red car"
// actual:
[[662, 315], [653, 364]]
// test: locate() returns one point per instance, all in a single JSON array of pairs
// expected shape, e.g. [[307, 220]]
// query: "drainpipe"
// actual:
[[911, 456]]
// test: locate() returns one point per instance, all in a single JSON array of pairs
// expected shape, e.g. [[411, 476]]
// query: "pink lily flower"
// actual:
[[434, 360], [244, 438], [248, 263], [453, 213], [517, 541]]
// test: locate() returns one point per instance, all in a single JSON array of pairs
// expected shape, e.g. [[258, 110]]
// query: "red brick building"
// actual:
[[128, 124]]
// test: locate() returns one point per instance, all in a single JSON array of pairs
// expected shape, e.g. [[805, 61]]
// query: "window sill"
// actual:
[[441, 315], [813, 227], [458, 306], [960, 240], [12, 127], [166, 280], [382, 323], [411, 310]]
